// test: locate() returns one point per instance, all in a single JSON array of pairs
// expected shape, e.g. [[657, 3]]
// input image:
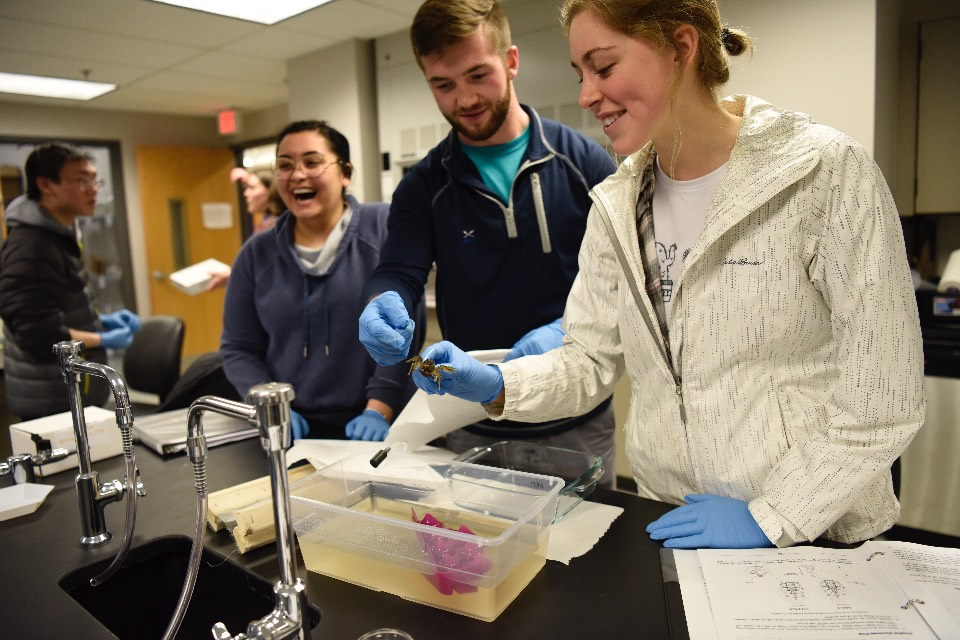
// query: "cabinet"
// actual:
[[938, 117]]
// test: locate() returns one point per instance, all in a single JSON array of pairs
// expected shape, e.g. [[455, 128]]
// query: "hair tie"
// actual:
[[724, 35]]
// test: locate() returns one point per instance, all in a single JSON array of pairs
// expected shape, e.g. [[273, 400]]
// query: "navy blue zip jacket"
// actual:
[[503, 268], [282, 324]]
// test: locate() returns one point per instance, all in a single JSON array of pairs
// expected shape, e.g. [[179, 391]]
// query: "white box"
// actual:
[[193, 279], [102, 433]]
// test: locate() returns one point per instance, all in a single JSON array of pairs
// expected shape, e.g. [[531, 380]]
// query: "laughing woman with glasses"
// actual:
[[295, 292]]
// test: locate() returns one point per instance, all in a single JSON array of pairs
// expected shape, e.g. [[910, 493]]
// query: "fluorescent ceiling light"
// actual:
[[53, 87], [262, 11]]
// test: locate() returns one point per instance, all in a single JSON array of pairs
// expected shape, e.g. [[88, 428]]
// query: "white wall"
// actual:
[[264, 124], [816, 56], [887, 106], [130, 129], [336, 84]]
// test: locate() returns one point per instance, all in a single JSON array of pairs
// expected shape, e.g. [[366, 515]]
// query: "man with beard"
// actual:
[[500, 206]]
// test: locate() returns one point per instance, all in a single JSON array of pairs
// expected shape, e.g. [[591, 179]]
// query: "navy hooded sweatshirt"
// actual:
[[281, 324]]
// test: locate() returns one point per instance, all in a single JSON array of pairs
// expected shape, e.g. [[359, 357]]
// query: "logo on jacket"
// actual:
[[742, 262], [469, 235]]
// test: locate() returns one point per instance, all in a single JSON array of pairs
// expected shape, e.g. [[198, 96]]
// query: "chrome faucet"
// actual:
[[22, 466], [93, 496], [268, 407]]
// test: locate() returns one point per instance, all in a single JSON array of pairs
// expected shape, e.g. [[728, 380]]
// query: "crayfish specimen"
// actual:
[[428, 368]]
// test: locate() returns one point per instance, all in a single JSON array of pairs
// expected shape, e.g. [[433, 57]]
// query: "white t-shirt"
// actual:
[[679, 209]]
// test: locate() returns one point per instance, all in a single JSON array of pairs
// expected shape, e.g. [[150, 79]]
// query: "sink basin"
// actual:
[[138, 601]]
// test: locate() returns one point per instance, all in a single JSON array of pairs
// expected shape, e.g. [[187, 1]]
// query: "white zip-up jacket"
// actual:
[[798, 368]]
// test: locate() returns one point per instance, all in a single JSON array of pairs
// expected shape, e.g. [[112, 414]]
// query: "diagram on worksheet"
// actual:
[[816, 582], [881, 590]]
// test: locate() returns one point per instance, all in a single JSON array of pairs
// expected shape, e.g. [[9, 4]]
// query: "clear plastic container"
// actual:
[[377, 527], [579, 471]]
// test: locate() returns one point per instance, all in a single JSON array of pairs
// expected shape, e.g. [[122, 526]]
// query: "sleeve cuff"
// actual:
[[776, 530]]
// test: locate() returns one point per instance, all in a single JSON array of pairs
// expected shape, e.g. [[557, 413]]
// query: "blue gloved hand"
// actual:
[[537, 341], [119, 338], [470, 379], [709, 522], [120, 319], [298, 426], [369, 425], [386, 329]]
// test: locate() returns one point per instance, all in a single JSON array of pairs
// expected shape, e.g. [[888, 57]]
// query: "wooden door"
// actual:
[[175, 185]]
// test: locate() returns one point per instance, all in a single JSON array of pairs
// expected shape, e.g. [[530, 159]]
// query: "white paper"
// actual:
[[193, 279], [429, 416], [579, 530], [321, 452], [217, 215], [807, 592], [693, 590], [933, 574]]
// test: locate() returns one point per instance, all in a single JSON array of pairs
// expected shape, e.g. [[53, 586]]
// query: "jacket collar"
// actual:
[[774, 149], [460, 166], [284, 232]]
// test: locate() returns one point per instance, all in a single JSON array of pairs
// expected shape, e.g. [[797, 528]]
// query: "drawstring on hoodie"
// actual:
[[306, 319], [326, 322]]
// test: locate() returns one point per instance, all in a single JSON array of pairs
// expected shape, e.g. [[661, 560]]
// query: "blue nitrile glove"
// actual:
[[386, 329], [298, 426], [471, 379], [537, 341], [709, 522], [119, 338], [120, 319], [369, 425]]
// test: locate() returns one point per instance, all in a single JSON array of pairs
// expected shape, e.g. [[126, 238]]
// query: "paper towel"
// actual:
[[579, 531], [950, 281]]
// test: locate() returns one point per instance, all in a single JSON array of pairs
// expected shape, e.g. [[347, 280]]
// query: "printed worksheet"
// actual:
[[932, 575], [829, 594]]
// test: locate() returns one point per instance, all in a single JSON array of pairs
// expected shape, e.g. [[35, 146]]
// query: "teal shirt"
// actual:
[[499, 163]]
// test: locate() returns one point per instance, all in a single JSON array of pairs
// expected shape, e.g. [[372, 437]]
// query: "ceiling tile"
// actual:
[[148, 20], [63, 41], [251, 68], [277, 43], [72, 68], [175, 60], [339, 20]]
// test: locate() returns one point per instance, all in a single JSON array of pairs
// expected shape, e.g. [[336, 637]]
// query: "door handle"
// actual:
[[158, 275]]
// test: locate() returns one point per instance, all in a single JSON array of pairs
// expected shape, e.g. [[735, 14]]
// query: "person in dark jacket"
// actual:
[[43, 293], [295, 292], [500, 206]]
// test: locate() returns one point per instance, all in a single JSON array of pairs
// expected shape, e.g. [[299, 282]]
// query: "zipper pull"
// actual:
[[683, 410]]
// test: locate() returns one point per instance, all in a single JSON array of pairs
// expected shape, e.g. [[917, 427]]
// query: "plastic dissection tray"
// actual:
[[21, 499]]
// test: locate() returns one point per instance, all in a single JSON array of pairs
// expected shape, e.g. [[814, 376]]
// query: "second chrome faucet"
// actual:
[[93, 496]]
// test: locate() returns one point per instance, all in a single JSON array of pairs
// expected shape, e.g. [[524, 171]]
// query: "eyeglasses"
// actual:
[[88, 184], [313, 166]]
